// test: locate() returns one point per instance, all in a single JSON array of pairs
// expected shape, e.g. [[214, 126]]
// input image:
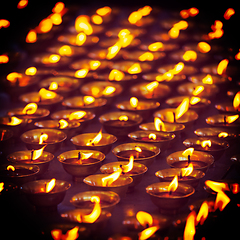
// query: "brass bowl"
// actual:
[[218, 121], [54, 141], [45, 201], [79, 171], [104, 145], [129, 148], [108, 200]]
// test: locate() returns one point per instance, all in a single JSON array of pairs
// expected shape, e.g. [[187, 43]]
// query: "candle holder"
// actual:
[[125, 66], [113, 32], [227, 107], [167, 175], [221, 120], [200, 160], [118, 127], [166, 202], [209, 91], [212, 69], [95, 105], [159, 92], [136, 173], [75, 164], [102, 53], [53, 142], [146, 157], [187, 70], [108, 200], [163, 139], [22, 173], [120, 186], [69, 51], [136, 55], [217, 148], [25, 157], [42, 200], [112, 40], [166, 47], [104, 145]]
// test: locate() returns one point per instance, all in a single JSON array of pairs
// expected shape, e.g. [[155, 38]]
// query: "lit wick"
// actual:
[[32, 155], [174, 117], [224, 120], [121, 166], [189, 160], [79, 155]]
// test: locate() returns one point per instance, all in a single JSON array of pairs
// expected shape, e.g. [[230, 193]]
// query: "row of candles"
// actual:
[[102, 75]]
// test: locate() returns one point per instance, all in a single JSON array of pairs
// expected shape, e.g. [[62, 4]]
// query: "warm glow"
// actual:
[[188, 152], [71, 234], [46, 94], [116, 75], [82, 73], [13, 76], [148, 232], [4, 59], [147, 56], [237, 56], [151, 86], [206, 143], [43, 137], [178, 68], [1, 186], [187, 171], [144, 218], [77, 115], [159, 125], [82, 25], [62, 123], [95, 140], [203, 47], [135, 68], [50, 185], [222, 134], [104, 11], [134, 17], [193, 11], [190, 56], [123, 33], [10, 167], [221, 201], [31, 36], [108, 180], [202, 213], [81, 38], [58, 8], [173, 32], [138, 149], [217, 186], [173, 184], [231, 119], [4, 23], [145, 10], [182, 108], [45, 25], [30, 108], [123, 118], [152, 136], [31, 71], [184, 13], [208, 79], [133, 102], [14, 121], [94, 64], [198, 90], [236, 100], [56, 18], [190, 230], [65, 50], [222, 66], [113, 50], [229, 12], [53, 86], [53, 58], [155, 46], [181, 25], [37, 153], [97, 19], [88, 100], [194, 100], [128, 167], [108, 90]]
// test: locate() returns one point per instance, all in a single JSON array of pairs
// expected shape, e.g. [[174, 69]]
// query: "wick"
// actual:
[[180, 176], [189, 160], [121, 166], [174, 117], [147, 225], [224, 120], [170, 192], [79, 155], [31, 155]]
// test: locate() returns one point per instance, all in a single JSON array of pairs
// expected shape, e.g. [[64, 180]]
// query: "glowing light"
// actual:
[[104, 11], [113, 50], [222, 134], [4, 23], [95, 140], [108, 90], [97, 19], [187, 171], [22, 4], [128, 167], [77, 115], [88, 100], [202, 213], [53, 86], [148, 232], [14, 121], [50, 185], [45, 25], [71, 234], [203, 47], [190, 56], [236, 100], [116, 75], [231, 119], [217, 186], [198, 90], [65, 50], [30, 108], [43, 137], [59, 7], [208, 79], [144, 218], [134, 17], [147, 56], [155, 46], [82, 73], [4, 58], [229, 12], [94, 64], [188, 152], [133, 102], [173, 184], [123, 118], [206, 143], [159, 125], [31, 36], [194, 100], [37, 153], [82, 25], [1, 186], [81, 38], [10, 167], [189, 230], [62, 123], [46, 94], [173, 32], [53, 58], [31, 71], [221, 201], [182, 108], [108, 180]]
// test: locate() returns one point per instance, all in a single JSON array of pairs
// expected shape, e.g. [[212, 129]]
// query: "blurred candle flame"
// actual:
[[30, 108], [222, 66], [172, 187], [108, 180], [116, 75], [43, 137], [128, 167], [228, 13], [50, 185]]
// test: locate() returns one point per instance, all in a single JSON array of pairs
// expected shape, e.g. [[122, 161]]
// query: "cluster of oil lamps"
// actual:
[[146, 93]]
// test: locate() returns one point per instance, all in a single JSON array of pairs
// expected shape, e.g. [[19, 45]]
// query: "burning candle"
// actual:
[[132, 67], [224, 120], [50, 60], [209, 79]]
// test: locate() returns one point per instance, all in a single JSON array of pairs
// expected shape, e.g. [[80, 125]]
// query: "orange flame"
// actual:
[[198, 90], [104, 11], [138, 149], [97, 19], [95, 140], [151, 86], [62, 123], [81, 38], [194, 100], [1, 186], [202, 213], [14, 76], [221, 201], [22, 4], [56, 18], [50, 185], [4, 58], [135, 68], [53, 86], [65, 50], [222, 134], [185, 13], [188, 152], [148, 232], [37, 153], [10, 167], [133, 102], [236, 101], [77, 115], [144, 218], [43, 137], [94, 64], [116, 75], [203, 47], [173, 32], [45, 25], [152, 136], [217, 30], [155, 46], [134, 17], [82, 25], [206, 143], [123, 118], [14, 121], [4, 23], [181, 25], [71, 234], [59, 7], [30, 108], [222, 66], [147, 56], [189, 230], [178, 68], [231, 119], [113, 50], [217, 186], [128, 167], [46, 94], [173, 184], [108, 90], [190, 56], [187, 171], [237, 56], [82, 73], [31, 71], [108, 180], [159, 125], [125, 39], [182, 108], [229, 12], [53, 58], [208, 79], [193, 11], [88, 100]]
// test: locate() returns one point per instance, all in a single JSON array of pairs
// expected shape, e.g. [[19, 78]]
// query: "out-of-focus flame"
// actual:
[[22, 4], [181, 25], [236, 100], [82, 73], [83, 156], [116, 75], [159, 125], [113, 50], [237, 56], [37, 153], [128, 167], [190, 230], [133, 102], [123, 118], [206, 144], [65, 50], [202, 213], [138, 149], [148, 232], [144, 218], [151, 86], [4, 58], [229, 12], [46, 94], [104, 11], [1, 186], [172, 187], [14, 76], [193, 11], [155, 46], [231, 119], [217, 186], [173, 32], [53, 58], [178, 68], [147, 56], [50, 185], [14, 121], [222, 66], [77, 115], [71, 234], [221, 201], [190, 56], [203, 47], [31, 36], [45, 25], [56, 18], [94, 64], [30, 108], [31, 71], [198, 90], [194, 100], [108, 180], [95, 140], [185, 13], [125, 40], [134, 17], [135, 68], [187, 171], [96, 19], [222, 134], [152, 136], [188, 152], [59, 7], [82, 25], [53, 86], [43, 137], [182, 108], [88, 100], [4, 23], [10, 167], [217, 30], [62, 123], [108, 90], [208, 79], [81, 38]]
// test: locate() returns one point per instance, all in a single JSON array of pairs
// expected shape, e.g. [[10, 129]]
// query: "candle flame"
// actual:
[[116, 75], [202, 213], [62, 123], [222, 66], [217, 186], [206, 143], [43, 137], [229, 12], [155, 46], [151, 86], [148, 232], [173, 184], [14, 76], [37, 153], [82, 25], [4, 58], [134, 17], [133, 102], [45, 25], [128, 167], [108, 180], [182, 108], [81, 38], [173, 32], [104, 11], [152, 136], [194, 100], [30, 108], [88, 100], [135, 68], [46, 94], [190, 230], [123, 118], [31, 71], [191, 12], [187, 171], [147, 56], [159, 125], [138, 149], [222, 134], [71, 234], [108, 90], [198, 90], [4, 23], [1, 186], [113, 50], [190, 56], [188, 152], [217, 30], [208, 79], [94, 64], [96, 19], [50, 185], [82, 73], [53, 58], [65, 50], [10, 167], [236, 100], [203, 47], [231, 119], [77, 115], [95, 140], [53, 86], [14, 121], [221, 201], [144, 218]]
